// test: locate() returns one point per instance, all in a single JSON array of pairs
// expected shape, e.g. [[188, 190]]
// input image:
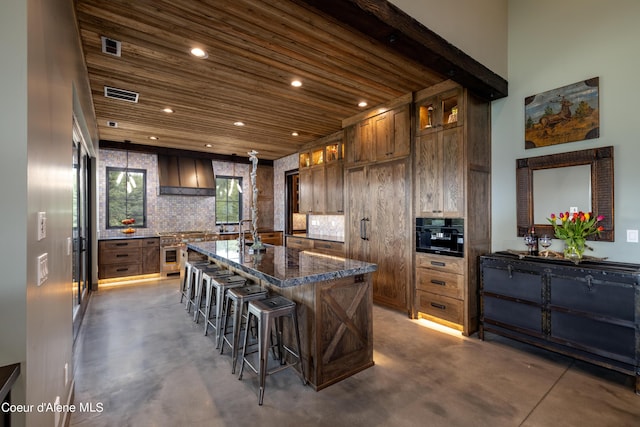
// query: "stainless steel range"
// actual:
[[173, 249]]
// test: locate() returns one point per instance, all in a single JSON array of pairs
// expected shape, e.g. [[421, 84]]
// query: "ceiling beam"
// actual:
[[384, 22]]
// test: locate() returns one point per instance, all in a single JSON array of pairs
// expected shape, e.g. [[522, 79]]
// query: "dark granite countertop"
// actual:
[[139, 234], [282, 266]]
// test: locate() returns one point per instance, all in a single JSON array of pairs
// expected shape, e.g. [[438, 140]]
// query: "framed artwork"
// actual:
[[566, 114]]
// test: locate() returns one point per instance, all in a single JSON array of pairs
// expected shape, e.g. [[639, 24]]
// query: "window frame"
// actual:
[[137, 224], [239, 180]]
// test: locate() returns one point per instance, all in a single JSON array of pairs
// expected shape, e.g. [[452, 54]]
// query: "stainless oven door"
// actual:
[[171, 259]]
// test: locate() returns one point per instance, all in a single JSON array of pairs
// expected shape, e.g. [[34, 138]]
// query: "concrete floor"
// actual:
[[143, 359]]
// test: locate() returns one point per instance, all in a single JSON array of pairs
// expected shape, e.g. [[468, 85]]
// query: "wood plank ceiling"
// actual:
[[255, 50]]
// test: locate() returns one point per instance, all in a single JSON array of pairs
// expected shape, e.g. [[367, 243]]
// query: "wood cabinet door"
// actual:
[[428, 176], [389, 231], [335, 187], [150, 259], [439, 174], [451, 141], [319, 189], [361, 147], [392, 134], [305, 201], [356, 194]]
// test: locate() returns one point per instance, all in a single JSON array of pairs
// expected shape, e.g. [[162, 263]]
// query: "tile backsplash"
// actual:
[[164, 212]]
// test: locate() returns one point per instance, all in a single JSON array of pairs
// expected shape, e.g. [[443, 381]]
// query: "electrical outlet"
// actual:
[[573, 209], [43, 268], [632, 236]]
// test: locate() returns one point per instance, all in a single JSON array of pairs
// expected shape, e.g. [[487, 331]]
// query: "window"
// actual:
[[126, 197], [228, 199]]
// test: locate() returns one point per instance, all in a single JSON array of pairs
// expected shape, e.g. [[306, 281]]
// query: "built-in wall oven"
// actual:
[[172, 259], [444, 236]]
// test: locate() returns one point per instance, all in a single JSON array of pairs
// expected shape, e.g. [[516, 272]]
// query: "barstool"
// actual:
[[240, 298], [218, 286], [211, 270], [191, 276], [269, 313]]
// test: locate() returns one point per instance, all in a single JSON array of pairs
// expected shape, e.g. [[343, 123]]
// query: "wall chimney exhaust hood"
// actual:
[[186, 176]]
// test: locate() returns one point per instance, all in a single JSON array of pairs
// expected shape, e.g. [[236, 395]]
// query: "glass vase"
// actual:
[[573, 250]]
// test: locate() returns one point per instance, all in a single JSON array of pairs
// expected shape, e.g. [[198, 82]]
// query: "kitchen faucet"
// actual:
[[241, 232]]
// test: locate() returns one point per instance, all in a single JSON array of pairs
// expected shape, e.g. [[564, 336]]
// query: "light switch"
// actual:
[[42, 225], [43, 268], [632, 236]]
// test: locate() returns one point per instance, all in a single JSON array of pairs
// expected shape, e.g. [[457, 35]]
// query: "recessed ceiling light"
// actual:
[[294, 133], [208, 145], [362, 104], [199, 53], [296, 83], [155, 138], [238, 123], [167, 110]]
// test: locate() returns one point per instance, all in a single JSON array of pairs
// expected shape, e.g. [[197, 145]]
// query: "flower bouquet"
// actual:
[[574, 229]]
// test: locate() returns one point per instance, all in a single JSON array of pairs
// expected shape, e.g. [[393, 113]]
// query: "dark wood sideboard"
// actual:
[[589, 311]]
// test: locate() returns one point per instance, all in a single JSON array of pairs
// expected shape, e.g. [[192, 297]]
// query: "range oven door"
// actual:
[[172, 259]]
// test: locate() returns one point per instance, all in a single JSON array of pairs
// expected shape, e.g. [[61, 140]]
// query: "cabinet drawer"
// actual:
[[153, 241], [120, 256], [121, 244], [513, 283], [329, 248], [440, 262], [109, 271], [440, 306], [271, 238], [514, 314], [440, 282], [612, 299], [299, 243]]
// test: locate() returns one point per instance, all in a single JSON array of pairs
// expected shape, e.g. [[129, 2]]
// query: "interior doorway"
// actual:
[[295, 221], [80, 230]]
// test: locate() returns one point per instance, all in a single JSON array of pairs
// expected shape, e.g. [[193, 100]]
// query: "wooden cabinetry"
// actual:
[[326, 247], [440, 288], [321, 176], [264, 178], [271, 237], [128, 257], [452, 179], [589, 311], [384, 136], [378, 224]]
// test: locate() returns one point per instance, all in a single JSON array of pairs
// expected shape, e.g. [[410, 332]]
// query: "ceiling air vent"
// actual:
[[110, 46], [121, 94]]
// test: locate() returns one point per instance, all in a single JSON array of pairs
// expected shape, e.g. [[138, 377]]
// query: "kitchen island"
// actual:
[[333, 297]]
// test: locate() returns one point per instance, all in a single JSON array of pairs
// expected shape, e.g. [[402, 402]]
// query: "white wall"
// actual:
[[43, 77], [477, 27], [551, 44]]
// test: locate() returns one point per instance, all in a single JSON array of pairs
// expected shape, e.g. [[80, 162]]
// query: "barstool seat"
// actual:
[[269, 313], [239, 298]]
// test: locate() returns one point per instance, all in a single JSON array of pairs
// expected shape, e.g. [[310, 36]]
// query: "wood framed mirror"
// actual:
[[600, 187]]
